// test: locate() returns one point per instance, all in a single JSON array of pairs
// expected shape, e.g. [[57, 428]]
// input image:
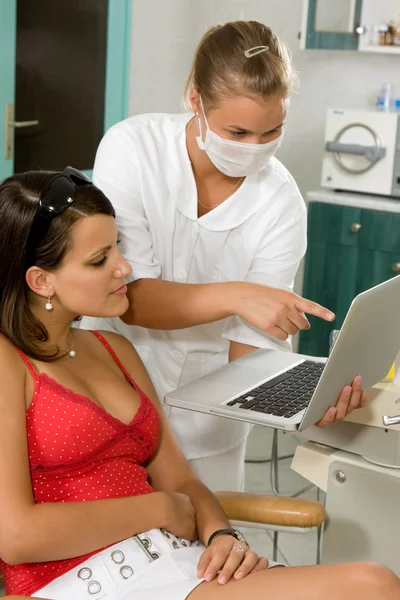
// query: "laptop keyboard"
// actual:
[[285, 395]]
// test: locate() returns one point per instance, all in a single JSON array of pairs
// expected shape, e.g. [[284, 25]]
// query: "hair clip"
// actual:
[[254, 51]]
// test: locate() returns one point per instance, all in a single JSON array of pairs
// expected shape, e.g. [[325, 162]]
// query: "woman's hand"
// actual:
[[230, 557], [352, 397], [275, 311], [181, 516]]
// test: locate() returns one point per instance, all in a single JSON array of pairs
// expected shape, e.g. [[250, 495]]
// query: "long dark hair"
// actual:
[[19, 197]]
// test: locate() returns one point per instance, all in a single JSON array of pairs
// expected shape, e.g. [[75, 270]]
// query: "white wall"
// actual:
[[165, 34]]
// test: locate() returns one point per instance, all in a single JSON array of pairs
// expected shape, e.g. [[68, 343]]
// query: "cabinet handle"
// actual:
[[355, 227], [396, 267]]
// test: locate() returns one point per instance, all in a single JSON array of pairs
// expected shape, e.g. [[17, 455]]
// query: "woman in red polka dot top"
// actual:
[[96, 499]]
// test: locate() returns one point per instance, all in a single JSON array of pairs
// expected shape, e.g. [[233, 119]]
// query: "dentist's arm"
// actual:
[[159, 304]]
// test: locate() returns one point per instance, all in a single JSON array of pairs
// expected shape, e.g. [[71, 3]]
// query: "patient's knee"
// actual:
[[377, 581]]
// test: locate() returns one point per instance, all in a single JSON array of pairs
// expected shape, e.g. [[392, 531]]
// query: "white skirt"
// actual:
[[155, 564]]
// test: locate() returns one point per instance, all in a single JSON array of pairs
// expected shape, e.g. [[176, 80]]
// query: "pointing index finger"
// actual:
[[312, 308]]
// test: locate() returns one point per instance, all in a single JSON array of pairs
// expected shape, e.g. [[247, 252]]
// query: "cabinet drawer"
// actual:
[[349, 226], [333, 224], [374, 267], [379, 231]]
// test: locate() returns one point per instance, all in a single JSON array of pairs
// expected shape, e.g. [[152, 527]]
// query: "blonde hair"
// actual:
[[220, 68]]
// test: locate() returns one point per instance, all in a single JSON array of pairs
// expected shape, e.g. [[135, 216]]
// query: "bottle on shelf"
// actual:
[[374, 36], [385, 34], [396, 35], [390, 33], [383, 30], [386, 101]]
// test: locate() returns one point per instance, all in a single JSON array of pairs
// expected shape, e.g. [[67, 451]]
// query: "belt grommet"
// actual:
[[117, 556], [84, 573], [155, 555], [126, 571], [175, 545], [183, 542], [146, 542], [94, 587]]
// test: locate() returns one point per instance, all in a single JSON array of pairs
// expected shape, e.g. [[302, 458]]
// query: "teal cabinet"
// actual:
[[349, 251]]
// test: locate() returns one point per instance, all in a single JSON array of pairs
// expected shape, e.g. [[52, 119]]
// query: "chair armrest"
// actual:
[[271, 510]]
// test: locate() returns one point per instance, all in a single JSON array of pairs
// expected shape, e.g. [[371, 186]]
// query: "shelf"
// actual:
[[380, 49]]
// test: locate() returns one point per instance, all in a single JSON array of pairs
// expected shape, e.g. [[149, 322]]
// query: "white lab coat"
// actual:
[[257, 235]]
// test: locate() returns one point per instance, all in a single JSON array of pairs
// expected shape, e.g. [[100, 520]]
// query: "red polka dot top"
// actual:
[[78, 452]]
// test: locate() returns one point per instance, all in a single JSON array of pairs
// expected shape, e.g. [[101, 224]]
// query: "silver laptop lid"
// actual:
[[367, 345]]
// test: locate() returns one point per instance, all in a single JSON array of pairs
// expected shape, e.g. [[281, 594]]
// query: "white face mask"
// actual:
[[235, 159]]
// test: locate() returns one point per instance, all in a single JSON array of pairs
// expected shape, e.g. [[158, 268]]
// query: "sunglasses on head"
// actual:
[[56, 197]]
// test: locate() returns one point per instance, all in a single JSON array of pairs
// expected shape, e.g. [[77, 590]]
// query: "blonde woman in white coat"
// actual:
[[214, 228]]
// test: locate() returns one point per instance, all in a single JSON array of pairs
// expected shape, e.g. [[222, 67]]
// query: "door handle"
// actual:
[[10, 125], [22, 123]]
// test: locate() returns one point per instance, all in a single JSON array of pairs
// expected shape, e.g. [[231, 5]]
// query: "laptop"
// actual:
[[291, 391]]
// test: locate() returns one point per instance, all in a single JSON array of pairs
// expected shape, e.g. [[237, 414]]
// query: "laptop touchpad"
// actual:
[[241, 375]]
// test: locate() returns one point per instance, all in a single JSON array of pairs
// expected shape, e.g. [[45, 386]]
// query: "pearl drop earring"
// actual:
[[49, 305]]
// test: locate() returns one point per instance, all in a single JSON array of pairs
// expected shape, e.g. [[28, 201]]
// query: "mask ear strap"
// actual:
[[204, 112], [200, 131], [200, 140]]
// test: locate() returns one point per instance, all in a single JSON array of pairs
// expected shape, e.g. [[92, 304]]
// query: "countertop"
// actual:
[[351, 199]]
